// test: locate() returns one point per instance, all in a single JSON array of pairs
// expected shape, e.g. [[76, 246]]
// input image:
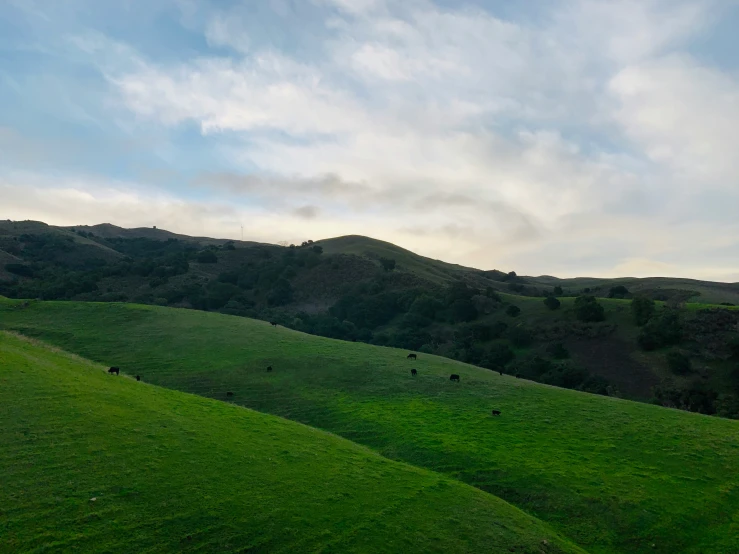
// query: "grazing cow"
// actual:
[[412, 357], [496, 412], [273, 323], [229, 393], [138, 377], [115, 370], [269, 368], [454, 377], [413, 372], [501, 373], [518, 375]]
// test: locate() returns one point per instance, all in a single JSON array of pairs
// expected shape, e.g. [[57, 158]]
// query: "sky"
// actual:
[[559, 137]]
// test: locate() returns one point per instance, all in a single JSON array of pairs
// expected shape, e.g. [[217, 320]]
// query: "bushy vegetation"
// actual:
[[552, 303], [588, 309], [642, 308]]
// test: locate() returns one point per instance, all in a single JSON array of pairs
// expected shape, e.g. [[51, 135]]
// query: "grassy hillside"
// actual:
[[108, 231], [611, 475], [98, 463], [338, 288], [707, 292], [434, 271]]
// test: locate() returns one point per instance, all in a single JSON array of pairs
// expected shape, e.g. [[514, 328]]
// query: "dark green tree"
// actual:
[[388, 264], [642, 308], [679, 363], [552, 302], [588, 310], [207, 257], [513, 311]]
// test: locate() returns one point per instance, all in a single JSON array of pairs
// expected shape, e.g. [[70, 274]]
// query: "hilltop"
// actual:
[[360, 289], [95, 463], [609, 474]]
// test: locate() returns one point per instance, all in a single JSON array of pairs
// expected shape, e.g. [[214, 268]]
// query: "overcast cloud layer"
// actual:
[[566, 137]]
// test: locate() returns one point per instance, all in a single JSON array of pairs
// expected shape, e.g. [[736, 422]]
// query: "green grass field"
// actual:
[[98, 463], [611, 475]]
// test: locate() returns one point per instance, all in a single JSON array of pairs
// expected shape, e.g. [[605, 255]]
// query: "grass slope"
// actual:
[[612, 475], [99, 463], [432, 270]]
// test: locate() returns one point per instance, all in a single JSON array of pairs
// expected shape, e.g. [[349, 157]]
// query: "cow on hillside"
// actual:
[[412, 357], [115, 370], [273, 323], [454, 377], [138, 377], [496, 412], [413, 372], [269, 368]]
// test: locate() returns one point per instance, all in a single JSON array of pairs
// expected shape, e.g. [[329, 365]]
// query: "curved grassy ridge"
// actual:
[[612, 475], [98, 463]]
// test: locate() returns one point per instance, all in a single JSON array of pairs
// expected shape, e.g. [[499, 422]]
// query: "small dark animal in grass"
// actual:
[[269, 368], [518, 376], [413, 372], [496, 412], [501, 373], [412, 357], [229, 393], [138, 377], [273, 323], [115, 370], [454, 377]]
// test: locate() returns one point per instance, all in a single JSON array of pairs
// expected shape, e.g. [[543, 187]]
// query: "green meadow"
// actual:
[[609, 474], [98, 463]]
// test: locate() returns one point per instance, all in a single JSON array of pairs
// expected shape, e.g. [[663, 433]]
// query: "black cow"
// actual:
[[413, 372], [269, 368], [273, 323], [454, 377], [496, 412], [518, 375], [138, 377], [412, 357], [501, 373], [115, 370], [229, 393]]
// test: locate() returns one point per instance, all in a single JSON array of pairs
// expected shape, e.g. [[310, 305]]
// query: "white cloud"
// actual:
[[684, 116], [467, 136]]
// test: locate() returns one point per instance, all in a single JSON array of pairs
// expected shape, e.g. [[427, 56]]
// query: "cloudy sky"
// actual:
[[564, 137]]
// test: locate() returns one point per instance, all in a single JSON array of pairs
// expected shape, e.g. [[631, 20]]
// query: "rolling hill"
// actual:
[[98, 463], [609, 474], [339, 288]]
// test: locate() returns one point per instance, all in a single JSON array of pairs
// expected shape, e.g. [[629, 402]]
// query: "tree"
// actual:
[[558, 351], [679, 363], [552, 302], [207, 257], [520, 337], [463, 310], [20, 269], [498, 356], [513, 311], [558, 291], [387, 264], [618, 291], [642, 308], [317, 249], [660, 331], [734, 348], [588, 310]]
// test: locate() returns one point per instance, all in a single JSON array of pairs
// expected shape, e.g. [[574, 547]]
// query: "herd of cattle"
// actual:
[[411, 356]]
